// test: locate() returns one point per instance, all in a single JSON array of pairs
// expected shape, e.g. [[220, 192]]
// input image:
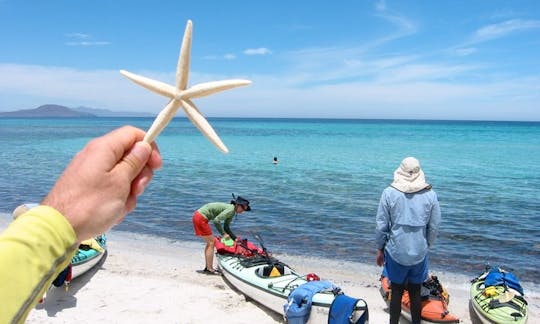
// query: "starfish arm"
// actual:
[[150, 84], [162, 120], [202, 124], [208, 88], [181, 96], [182, 69]]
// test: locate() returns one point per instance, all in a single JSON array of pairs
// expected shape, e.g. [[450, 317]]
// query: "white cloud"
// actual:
[[425, 100], [81, 39], [391, 87], [87, 43], [503, 29], [257, 51], [77, 35], [423, 73], [67, 85], [32, 85], [227, 57], [320, 66], [404, 24]]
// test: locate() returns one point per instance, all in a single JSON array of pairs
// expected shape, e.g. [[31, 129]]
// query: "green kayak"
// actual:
[[498, 300]]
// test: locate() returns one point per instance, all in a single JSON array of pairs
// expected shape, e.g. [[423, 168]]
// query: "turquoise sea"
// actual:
[[321, 199]]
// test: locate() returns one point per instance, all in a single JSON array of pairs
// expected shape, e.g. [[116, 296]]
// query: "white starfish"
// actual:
[[181, 97]]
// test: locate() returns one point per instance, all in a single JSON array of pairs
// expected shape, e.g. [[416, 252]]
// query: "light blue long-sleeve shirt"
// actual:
[[407, 224]]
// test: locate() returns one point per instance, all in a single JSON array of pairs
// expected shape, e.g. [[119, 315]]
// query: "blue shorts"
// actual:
[[400, 274]]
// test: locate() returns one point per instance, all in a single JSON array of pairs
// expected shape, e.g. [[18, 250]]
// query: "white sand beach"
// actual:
[[145, 279]]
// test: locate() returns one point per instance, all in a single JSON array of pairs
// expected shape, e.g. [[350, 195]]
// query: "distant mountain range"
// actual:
[[59, 111]]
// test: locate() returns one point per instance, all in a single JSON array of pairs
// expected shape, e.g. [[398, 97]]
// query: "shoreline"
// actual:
[[145, 278]]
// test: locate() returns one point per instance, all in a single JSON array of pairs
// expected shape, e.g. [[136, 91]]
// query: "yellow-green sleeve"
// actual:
[[33, 250]]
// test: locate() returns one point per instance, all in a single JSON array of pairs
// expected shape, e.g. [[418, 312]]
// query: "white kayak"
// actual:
[[270, 282], [88, 255]]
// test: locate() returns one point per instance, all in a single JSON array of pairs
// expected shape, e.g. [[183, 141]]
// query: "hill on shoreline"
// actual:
[[59, 111], [46, 111]]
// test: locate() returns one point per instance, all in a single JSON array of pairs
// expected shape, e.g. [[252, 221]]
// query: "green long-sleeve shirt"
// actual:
[[217, 213]]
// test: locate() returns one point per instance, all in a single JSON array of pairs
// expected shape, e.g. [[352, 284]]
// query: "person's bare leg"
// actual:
[[209, 251]]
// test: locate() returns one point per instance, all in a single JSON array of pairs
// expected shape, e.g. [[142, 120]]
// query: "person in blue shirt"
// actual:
[[407, 222]]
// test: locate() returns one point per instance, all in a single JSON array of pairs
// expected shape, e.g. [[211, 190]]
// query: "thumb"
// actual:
[[133, 163]]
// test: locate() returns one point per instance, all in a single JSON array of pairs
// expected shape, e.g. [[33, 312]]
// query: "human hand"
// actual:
[[380, 258], [101, 184]]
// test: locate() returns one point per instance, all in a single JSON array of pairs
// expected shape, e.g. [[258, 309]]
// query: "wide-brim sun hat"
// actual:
[[409, 177], [244, 202]]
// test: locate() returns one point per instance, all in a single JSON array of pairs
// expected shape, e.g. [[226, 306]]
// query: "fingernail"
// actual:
[[142, 151]]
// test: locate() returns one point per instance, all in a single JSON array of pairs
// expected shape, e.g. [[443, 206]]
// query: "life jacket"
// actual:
[[239, 247], [498, 277], [299, 302]]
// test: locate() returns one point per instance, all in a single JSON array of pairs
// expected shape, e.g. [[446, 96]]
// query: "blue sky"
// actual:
[[329, 59]]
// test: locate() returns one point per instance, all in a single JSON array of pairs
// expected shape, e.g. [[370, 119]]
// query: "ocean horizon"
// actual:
[[321, 198], [111, 114]]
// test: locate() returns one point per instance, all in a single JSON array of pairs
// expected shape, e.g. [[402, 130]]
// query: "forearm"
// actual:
[[382, 226], [433, 225], [228, 231], [33, 249], [380, 240], [219, 228]]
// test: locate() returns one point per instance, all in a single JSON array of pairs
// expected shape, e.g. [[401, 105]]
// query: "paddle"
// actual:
[[506, 296], [271, 260], [260, 240]]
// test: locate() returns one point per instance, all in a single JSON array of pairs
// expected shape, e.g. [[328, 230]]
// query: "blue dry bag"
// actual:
[[342, 311]]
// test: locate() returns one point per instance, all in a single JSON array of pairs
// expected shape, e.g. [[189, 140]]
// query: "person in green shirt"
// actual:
[[220, 214]]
